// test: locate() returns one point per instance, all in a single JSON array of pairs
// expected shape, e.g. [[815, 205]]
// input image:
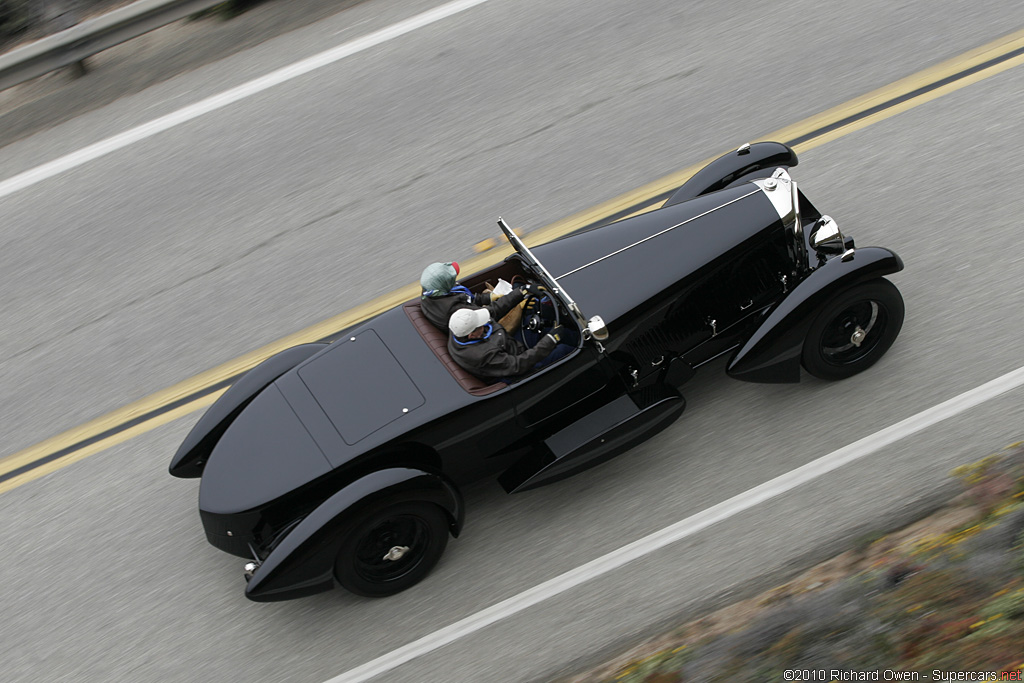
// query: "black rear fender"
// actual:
[[196, 448], [772, 353], [303, 562], [758, 160]]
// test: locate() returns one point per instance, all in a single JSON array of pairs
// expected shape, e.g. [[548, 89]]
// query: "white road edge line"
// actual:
[[257, 85], [686, 527]]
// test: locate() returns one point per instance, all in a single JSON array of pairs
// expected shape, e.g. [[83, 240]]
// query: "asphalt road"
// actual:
[[187, 249]]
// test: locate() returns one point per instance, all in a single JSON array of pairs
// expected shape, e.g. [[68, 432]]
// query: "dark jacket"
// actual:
[[499, 354], [439, 309]]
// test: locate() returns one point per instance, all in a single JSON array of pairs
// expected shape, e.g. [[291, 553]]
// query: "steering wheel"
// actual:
[[534, 322]]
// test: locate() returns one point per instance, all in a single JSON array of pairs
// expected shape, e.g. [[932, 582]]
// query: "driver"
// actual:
[[442, 296], [484, 348]]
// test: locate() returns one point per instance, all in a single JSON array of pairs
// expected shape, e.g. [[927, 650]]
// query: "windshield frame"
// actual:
[[538, 268]]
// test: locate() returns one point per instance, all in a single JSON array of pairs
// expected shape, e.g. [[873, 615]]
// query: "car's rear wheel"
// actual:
[[854, 330], [389, 549]]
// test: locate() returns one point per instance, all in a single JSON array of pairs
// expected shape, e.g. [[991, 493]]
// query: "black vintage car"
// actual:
[[341, 463]]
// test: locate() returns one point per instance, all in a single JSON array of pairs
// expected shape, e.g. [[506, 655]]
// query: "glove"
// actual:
[[532, 289], [558, 333]]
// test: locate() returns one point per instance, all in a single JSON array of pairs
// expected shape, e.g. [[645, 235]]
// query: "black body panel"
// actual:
[[265, 452], [354, 412], [606, 432], [195, 449], [621, 270]]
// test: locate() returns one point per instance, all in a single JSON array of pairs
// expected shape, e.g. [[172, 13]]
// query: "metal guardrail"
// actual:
[[72, 46]]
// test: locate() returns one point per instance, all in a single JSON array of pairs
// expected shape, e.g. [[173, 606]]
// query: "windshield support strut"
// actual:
[[532, 261]]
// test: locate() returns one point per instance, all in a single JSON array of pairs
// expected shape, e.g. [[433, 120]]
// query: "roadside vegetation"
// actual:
[[946, 593]]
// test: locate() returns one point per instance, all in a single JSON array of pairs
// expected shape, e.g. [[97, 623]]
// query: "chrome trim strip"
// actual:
[[781, 190], [798, 224], [650, 237]]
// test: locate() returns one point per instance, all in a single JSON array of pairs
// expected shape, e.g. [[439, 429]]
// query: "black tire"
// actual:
[[831, 348], [361, 566]]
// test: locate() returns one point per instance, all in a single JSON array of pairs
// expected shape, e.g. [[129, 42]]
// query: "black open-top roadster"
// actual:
[[341, 463]]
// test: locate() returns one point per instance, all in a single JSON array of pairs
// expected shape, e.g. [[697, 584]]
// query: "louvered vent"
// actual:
[[734, 290]]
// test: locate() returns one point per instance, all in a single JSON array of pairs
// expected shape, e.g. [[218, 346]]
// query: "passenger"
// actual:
[[442, 295], [483, 347]]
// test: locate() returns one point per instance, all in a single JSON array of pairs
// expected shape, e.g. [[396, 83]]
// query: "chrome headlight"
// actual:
[[597, 329], [826, 235], [250, 569]]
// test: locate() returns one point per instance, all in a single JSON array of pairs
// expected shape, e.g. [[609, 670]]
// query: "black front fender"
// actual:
[[772, 353], [303, 563], [747, 163], [196, 448]]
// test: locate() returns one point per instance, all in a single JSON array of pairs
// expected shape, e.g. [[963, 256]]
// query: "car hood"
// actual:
[[611, 269], [264, 454]]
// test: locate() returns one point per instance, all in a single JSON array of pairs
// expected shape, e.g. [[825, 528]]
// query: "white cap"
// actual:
[[465, 320]]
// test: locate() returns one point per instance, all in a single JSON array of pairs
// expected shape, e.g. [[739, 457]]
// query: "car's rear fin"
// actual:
[[188, 462]]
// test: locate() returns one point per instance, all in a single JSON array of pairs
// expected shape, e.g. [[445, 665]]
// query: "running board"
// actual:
[[608, 431]]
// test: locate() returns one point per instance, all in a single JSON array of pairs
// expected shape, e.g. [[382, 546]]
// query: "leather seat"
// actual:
[[437, 340]]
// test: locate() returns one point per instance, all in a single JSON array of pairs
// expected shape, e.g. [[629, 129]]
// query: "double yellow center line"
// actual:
[[203, 389]]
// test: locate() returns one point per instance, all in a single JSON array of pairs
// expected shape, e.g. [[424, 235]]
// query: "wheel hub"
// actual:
[[851, 330], [396, 553], [857, 338]]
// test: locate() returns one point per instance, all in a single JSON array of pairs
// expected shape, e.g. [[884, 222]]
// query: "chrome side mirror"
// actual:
[[826, 235], [596, 328]]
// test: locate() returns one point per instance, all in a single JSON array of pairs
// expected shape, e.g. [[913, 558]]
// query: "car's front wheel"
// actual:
[[389, 549], [854, 330]]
